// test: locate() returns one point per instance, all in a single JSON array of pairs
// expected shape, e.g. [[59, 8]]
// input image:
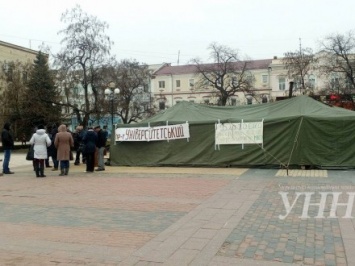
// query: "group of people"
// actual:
[[62, 143], [88, 143], [58, 144]]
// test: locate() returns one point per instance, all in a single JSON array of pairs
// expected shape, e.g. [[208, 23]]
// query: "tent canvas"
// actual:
[[296, 131]]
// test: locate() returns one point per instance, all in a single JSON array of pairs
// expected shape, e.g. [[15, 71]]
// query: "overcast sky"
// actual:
[[156, 31]]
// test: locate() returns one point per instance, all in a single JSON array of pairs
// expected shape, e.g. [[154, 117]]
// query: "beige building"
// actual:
[[12, 54], [171, 84], [280, 82]]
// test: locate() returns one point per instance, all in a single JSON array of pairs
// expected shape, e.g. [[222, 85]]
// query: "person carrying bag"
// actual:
[[40, 141], [30, 153]]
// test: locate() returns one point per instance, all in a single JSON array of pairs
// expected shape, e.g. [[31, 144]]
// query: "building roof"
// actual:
[[300, 106], [21, 48], [189, 69]]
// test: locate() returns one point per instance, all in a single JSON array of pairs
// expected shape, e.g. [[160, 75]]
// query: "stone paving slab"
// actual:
[[302, 173]]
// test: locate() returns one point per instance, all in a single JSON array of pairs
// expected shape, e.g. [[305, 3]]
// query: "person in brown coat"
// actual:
[[63, 142]]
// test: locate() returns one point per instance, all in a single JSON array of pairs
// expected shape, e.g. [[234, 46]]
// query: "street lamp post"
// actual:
[[111, 92]]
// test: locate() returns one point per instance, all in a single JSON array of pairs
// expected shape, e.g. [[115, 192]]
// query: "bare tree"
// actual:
[[227, 74], [299, 65], [338, 57], [132, 78], [85, 51]]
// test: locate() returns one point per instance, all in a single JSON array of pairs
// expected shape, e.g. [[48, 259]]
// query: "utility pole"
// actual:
[[290, 89], [302, 77]]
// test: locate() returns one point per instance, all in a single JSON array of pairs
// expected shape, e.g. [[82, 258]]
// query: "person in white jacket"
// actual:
[[41, 141]]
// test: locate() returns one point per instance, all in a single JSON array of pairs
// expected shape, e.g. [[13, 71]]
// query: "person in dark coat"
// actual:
[[90, 140], [52, 150], [7, 140], [101, 145]]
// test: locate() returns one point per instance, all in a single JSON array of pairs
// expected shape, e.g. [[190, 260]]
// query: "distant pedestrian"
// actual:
[[41, 142], [78, 144], [52, 150], [101, 145], [7, 140], [46, 161], [90, 140], [23, 139], [104, 129], [63, 142]]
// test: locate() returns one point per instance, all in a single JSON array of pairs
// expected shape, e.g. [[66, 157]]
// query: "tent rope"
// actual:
[[261, 146], [294, 143], [271, 155]]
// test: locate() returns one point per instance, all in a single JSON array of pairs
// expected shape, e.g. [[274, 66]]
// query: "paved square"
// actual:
[[91, 218], [262, 235], [175, 216]]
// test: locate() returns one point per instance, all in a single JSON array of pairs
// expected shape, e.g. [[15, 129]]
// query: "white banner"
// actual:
[[239, 133], [180, 131]]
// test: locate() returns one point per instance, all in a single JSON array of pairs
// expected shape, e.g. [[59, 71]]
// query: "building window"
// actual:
[[249, 79], [348, 82], [264, 99], [178, 84], [161, 84], [312, 81], [8, 69], [249, 99], [297, 83], [264, 79], [76, 91], [234, 82], [145, 88], [24, 76], [233, 101], [161, 105], [282, 84], [334, 81], [191, 82], [206, 83]]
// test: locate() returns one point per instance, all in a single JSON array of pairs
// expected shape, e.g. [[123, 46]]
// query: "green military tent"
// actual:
[[296, 132]]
